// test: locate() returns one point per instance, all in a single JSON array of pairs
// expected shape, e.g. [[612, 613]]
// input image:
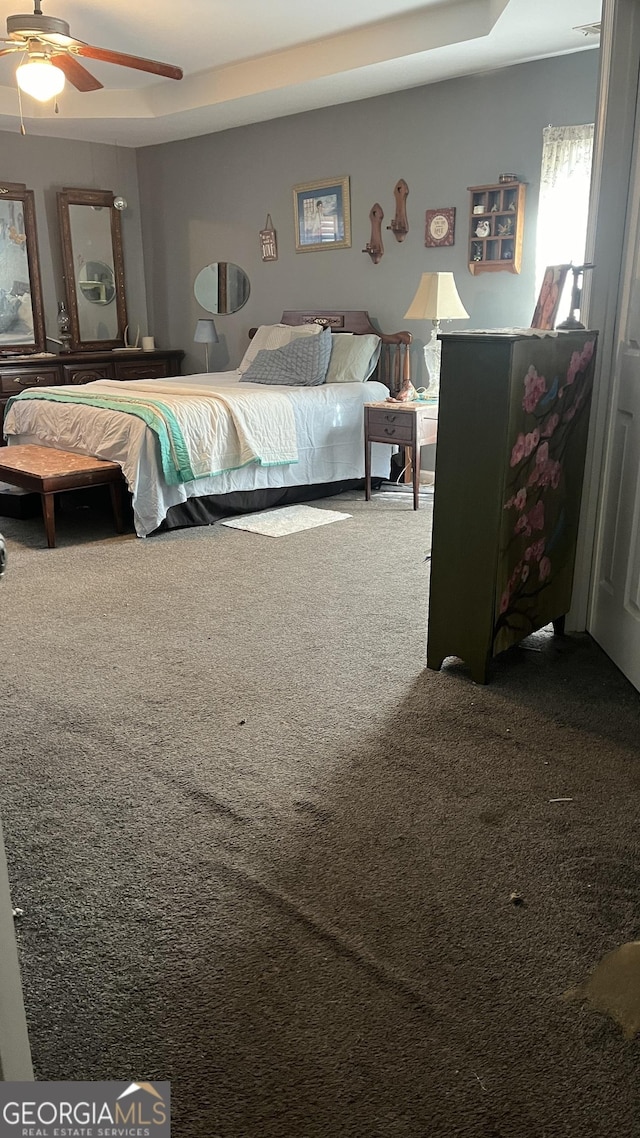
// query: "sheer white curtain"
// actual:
[[564, 198]]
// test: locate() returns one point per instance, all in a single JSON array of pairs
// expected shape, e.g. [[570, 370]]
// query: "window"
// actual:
[[563, 206]]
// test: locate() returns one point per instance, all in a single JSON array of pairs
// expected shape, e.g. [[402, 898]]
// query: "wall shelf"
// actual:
[[496, 227]]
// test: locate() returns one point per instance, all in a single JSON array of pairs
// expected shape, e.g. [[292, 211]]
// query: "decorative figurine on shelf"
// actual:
[[483, 228], [505, 228], [64, 327], [477, 252]]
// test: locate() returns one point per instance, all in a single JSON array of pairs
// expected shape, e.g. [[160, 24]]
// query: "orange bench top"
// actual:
[[46, 462]]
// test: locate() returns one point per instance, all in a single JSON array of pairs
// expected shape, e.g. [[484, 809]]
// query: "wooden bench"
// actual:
[[46, 471]]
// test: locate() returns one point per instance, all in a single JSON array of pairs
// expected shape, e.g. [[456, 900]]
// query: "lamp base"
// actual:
[[432, 360], [571, 323]]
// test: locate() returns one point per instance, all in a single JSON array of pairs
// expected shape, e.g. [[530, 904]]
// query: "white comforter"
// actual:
[[328, 425]]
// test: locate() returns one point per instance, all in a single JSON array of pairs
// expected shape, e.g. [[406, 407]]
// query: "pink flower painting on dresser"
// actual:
[[517, 454], [535, 535], [534, 388]]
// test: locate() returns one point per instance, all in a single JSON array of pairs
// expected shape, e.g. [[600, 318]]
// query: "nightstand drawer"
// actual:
[[12, 382], [390, 426]]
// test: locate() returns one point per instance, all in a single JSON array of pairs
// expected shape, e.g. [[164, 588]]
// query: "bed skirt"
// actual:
[[214, 507]]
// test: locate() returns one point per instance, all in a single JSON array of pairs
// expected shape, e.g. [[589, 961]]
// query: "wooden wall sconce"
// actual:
[[400, 226], [374, 246]]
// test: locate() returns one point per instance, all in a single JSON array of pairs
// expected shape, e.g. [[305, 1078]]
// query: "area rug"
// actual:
[[286, 520]]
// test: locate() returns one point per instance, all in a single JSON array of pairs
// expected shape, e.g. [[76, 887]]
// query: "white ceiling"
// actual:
[[247, 61]]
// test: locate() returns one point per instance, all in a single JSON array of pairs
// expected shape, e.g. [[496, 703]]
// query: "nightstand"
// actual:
[[408, 425]]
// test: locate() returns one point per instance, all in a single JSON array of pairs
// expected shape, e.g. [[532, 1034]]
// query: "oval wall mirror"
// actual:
[[222, 287], [97, 283], [93, 268]]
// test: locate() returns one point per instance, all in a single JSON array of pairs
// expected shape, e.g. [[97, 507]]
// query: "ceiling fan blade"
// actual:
[[135, 61], [77, 75], [8, 50]]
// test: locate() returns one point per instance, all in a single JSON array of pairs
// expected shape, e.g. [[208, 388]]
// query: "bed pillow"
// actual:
[[302, 363], [268, 337], [353, 358]]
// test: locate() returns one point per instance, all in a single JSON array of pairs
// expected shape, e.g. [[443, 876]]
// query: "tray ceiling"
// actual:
[[245, 61]]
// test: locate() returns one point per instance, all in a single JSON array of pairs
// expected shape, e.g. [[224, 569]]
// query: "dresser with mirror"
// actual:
[[95, 297]]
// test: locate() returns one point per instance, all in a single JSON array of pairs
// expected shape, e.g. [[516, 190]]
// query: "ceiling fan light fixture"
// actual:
[[40, 79]]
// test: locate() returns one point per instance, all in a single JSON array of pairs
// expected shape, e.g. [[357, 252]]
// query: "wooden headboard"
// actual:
[[394, 367]]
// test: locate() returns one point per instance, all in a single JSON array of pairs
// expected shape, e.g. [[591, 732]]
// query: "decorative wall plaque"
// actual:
[[440, 226], [268, 242]]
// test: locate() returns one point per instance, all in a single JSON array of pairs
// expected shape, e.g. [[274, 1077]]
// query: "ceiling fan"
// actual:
[[51, 56]]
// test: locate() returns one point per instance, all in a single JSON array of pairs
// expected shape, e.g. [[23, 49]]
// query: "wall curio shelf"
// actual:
[[496, 227]]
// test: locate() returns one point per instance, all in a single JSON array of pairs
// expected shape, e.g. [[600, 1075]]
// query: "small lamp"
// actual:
[[206, 334], [436, 299]]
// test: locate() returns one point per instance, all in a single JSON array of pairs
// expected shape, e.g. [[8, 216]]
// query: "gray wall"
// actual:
[[205, 199], [47, 165]]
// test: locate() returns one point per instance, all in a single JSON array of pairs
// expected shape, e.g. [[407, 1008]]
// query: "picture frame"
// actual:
[[440, 226], [548, 303], [322, 215], [22, 329]]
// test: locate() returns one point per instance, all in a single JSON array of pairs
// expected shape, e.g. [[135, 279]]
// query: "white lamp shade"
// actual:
[[436, 299], [206, 333], [40, 79]]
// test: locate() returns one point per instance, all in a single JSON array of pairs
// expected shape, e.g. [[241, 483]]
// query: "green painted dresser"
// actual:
[[512, 433]]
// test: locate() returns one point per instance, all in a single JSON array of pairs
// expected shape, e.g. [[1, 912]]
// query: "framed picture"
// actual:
[[322, 215], [546, 309], [440, 226]]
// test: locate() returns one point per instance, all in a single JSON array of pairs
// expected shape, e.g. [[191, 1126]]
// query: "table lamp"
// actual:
[[206, 334], [436, 299]]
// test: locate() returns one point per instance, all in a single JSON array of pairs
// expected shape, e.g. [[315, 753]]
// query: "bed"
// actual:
[[196, 448]]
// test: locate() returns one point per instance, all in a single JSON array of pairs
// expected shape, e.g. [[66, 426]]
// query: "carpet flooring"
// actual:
[[263, 852]]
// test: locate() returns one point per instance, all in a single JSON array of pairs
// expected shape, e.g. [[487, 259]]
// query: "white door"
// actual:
[[615, 619], [15, 1054]]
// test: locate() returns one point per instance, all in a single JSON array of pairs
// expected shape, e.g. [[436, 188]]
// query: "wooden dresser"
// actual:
[[17, 372]]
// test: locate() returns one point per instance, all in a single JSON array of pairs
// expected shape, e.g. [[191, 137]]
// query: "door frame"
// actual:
[[613, 158]]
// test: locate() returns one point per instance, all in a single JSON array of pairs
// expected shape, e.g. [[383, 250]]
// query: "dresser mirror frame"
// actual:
[[24, 200], [91, 199]]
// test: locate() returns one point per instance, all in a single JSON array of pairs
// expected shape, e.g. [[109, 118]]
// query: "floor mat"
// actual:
[[284, 521]]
